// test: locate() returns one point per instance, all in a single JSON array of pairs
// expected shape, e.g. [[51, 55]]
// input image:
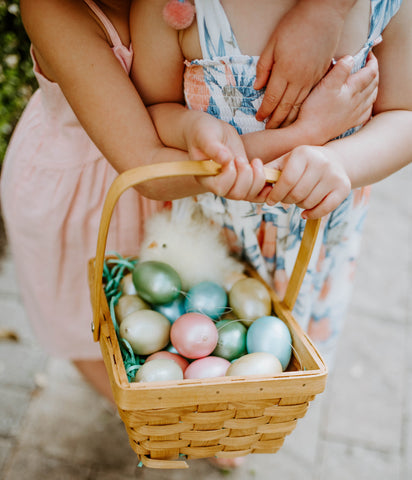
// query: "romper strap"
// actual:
[[215, 33], [382, 12], [107, 24]]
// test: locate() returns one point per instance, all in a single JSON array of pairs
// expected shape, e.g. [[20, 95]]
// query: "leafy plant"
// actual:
[[17, 81]]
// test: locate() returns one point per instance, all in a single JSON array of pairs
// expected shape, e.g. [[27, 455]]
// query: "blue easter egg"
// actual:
[[173, 310], [208, 298], [271, 335], [170, 348]]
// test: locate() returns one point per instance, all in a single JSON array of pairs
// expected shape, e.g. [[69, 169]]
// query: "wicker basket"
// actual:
[[222, 417]]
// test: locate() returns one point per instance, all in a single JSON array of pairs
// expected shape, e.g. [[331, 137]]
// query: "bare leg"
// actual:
[[227, 463], [94, 371]]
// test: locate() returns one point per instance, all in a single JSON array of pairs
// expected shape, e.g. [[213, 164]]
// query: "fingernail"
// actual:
[[377, 41]]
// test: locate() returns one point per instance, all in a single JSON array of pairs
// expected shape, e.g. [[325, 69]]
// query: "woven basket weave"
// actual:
[[222, 417]]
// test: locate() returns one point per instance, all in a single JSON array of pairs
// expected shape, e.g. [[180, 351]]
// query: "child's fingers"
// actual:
[[289, 102], [339, 73], [208, 147], [368, 89], [219, 153], [273, 95], [257, 192], [263, 194], [291, 173], [327, 205], [222, 183], [244, 179], [308, 192], [368, 107], [366, 76], [263, 68], [294, 112]]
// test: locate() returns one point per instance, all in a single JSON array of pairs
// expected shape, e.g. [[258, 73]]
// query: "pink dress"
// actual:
[[54, 181]]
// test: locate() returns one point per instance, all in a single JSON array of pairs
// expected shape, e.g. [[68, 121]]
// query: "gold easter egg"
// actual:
[[249, 300]]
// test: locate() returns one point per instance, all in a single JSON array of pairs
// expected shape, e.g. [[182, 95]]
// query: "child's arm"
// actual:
[[376, 151], [297, 56], [157, 72], [340, 101]]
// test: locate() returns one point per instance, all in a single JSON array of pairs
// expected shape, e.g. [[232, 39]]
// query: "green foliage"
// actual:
[[17, 81]]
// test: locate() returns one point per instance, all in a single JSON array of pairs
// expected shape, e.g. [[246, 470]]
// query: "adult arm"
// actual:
[[74, 52]]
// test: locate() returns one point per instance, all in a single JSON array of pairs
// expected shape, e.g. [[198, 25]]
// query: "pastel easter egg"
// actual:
[[156, 282], [207, 367], [194, 335], [259, 363], [127, 286], [208, 298], [173, 310], [128, 304], [250, 299], [231, 278], [170, 348], [159, 370], [270, 334], [147, 331], [231, 343], [182, 362]]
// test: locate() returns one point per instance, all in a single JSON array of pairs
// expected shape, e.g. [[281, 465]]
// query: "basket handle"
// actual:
[[141, 174]]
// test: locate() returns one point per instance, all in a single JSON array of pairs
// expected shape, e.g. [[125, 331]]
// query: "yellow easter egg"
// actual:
[[250, 299]]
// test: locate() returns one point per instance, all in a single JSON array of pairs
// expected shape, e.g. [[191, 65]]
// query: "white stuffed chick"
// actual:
[[185, 239]]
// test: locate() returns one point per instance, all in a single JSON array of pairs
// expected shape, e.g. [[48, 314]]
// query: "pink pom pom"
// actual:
[[178, 14]]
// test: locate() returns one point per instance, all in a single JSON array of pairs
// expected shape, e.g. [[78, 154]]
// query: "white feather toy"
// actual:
[[189, 242]]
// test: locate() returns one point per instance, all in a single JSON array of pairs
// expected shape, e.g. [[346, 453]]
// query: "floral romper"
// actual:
[[269, 237]]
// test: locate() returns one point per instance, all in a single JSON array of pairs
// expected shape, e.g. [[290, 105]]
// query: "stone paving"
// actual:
[[54, 427]]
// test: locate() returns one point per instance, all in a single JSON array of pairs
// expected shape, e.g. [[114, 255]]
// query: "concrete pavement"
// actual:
[[54, 427]]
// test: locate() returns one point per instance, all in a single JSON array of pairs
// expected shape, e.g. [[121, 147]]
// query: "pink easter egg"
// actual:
[[207, 367], [182, 362], [194, 335]]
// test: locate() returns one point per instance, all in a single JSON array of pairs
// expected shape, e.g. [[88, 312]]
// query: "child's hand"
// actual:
[[297, 56], [210, 138], [239, 180], [312, 178], [341, 101]]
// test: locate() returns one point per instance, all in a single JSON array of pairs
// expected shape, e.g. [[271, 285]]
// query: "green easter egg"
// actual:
[[231, 343], [156, 282]]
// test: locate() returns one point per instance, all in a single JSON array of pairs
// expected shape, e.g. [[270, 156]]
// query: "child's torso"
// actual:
[[220, 82], [254, 22]]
